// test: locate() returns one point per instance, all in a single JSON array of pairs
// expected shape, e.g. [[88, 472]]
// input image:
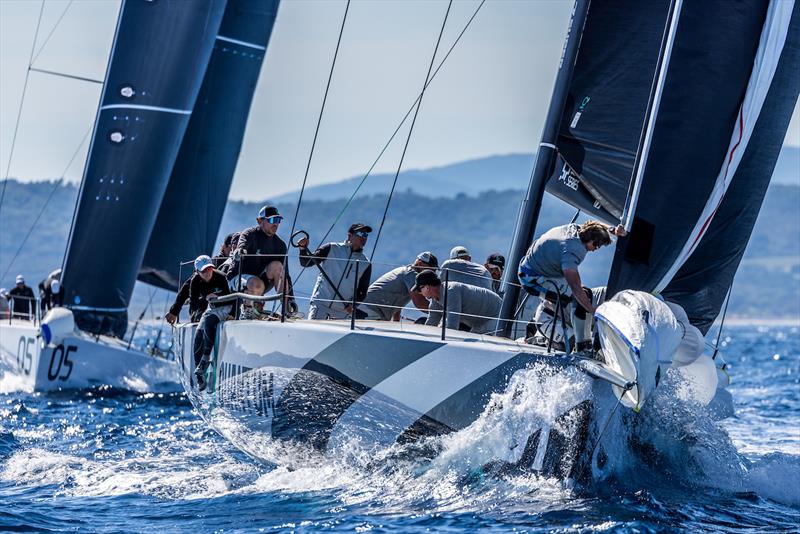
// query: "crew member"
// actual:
[[21, 299], [208, 284], [261, 252], [50, 290], [550, 268], [461, 268], [388, 294], [495, 264], [223, 261], [332, 296], [195, 289], [476, 308]]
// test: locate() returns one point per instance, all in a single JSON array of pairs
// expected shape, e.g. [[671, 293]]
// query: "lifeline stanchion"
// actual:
[[444, 312], [355, 296]]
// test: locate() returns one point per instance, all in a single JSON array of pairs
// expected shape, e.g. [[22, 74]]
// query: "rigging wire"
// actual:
[[319, 121], [722, 322], [400, 125], [52, 31], [411, 128], [21, 104], [46, 202]]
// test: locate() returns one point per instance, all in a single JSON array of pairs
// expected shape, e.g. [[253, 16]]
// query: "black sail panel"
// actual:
[[191, 211], [708, 75], [160, 53], [703, 280], [607, 105]]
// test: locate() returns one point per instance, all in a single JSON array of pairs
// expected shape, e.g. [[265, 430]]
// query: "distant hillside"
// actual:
[[767, 285], [468, 177], [472, 177]]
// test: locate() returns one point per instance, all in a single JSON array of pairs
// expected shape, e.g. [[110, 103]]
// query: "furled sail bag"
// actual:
[[639, 335]]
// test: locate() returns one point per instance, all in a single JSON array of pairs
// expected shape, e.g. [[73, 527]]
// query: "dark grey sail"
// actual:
[[713, 151], [158, 59], [701, 283], [607, 105], [191, 210]]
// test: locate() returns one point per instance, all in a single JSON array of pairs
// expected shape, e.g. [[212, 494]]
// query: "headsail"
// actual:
[[701, 283], [729, 93], [192, 208], [159, 56], [607, 105]]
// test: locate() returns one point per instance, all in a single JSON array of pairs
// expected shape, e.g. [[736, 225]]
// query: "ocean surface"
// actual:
[[105, 461]]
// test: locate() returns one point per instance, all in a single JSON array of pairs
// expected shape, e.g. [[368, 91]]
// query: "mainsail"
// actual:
[[730, 90], [607, 103], [159, 55], [191, 211]]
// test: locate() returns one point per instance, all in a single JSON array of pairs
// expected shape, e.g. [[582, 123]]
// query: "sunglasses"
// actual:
[[275, 219], [361, 234]]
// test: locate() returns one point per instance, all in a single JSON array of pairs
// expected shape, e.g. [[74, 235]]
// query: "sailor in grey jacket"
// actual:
[[332, 296], [475, 307]]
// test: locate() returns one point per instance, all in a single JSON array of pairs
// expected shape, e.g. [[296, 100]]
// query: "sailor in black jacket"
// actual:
[[196, 289], [261, 252]]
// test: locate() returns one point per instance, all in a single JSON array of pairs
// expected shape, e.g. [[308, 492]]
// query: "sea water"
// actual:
[[104, 461]]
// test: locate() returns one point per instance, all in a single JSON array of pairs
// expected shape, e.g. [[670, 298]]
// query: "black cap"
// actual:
[[497, 259], [426, 278], [355, 227], [267, 211]]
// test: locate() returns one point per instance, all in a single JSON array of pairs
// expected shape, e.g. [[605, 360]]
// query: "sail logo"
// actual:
[[568, 178]]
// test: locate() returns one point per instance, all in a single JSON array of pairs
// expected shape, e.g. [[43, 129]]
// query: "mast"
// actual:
[[529, 214]]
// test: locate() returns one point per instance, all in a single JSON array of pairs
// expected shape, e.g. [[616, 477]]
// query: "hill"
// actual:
[[767, 285]]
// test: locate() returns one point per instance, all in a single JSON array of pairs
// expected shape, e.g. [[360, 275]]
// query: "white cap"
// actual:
[[459, 251], [20, 279], [55, 287], [202, 262]]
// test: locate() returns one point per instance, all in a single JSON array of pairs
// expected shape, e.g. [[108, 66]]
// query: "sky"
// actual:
[[490, 97]]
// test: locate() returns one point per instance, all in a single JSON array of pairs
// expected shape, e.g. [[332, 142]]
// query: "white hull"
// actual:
[[79, 362], [325, 385]]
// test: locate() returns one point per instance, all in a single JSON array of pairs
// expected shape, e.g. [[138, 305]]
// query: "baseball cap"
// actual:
[[459, 251], [497, 259], [428, 258], [20, 279], [202, 263], [359, 226], [55, 287], [426, 278], [267, 211]]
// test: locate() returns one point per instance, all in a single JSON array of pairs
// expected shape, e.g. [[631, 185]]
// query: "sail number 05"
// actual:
[[60, 367]]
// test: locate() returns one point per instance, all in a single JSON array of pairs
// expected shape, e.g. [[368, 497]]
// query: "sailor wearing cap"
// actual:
[[477, 308], [392, 291], [261, 252], [205, 281], [21, 299], [462, 269], [333, 293], [495, 264]]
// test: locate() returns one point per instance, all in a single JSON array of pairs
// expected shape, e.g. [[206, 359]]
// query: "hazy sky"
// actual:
[[489, 98]]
